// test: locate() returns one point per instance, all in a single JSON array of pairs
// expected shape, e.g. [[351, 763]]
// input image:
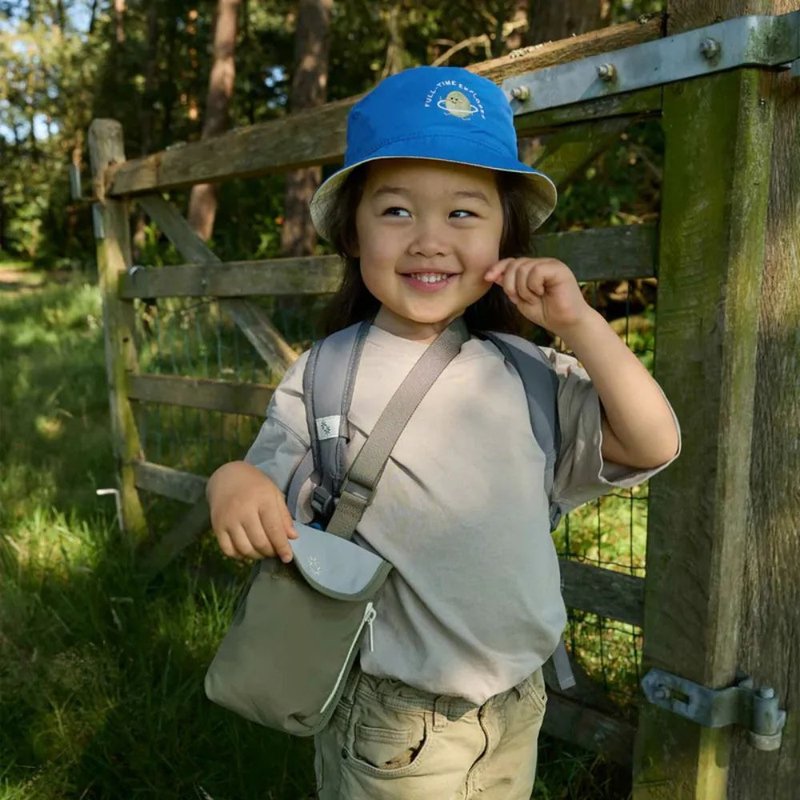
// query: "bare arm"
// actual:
[[638, 428], [248, 513]]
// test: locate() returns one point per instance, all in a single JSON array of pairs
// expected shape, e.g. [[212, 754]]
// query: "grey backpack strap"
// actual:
[[541, 390], [368, 465], [328, 382]]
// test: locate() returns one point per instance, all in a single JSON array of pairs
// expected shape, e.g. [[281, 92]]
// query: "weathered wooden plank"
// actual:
[[548, 54], [618, 253], [603, 591], [258, 329], [571, 149], [597, 732], [167, 482], [317, 136], [280, 276], [213, 395], [252, 320], [646, 102], [712, 233], [194, 523], [113, 260]]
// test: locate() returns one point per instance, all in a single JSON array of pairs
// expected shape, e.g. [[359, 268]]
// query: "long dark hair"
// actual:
[[353, 302]]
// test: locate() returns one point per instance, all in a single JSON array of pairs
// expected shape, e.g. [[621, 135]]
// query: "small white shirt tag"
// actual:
[[328, 427]]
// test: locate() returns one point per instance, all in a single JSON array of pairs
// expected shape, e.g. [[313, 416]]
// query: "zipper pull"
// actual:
[[371, 614]]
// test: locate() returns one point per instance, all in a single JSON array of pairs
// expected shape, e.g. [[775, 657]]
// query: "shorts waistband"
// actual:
[[402, 697]]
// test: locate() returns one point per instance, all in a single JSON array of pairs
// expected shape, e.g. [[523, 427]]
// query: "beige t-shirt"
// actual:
[[473, 604]]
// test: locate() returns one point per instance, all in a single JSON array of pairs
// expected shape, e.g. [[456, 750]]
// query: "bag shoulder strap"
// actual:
[[541, 391], [367, 468]]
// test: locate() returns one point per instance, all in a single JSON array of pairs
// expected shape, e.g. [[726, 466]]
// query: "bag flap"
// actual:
[[337, 567]]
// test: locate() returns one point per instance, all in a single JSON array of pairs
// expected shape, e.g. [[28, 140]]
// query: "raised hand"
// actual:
[[544, 290]]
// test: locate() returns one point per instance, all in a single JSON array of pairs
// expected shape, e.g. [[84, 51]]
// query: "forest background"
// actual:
[[101, 674], [173, 71]]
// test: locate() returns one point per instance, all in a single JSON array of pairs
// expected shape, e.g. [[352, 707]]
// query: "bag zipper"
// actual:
[[367, 619]]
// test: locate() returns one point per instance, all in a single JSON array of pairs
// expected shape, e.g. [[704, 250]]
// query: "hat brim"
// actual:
[[542, 201]]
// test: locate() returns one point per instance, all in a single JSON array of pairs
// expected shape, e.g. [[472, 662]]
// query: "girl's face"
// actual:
[[427, 233]]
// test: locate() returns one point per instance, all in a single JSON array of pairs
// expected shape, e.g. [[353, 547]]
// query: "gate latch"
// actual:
[[754, 709]]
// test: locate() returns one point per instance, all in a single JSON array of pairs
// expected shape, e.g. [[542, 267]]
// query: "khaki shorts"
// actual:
[[388, 741]]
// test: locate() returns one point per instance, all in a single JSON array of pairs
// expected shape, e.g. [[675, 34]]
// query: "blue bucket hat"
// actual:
[[440, 113]]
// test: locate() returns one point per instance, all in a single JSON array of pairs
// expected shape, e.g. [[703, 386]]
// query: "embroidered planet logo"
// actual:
[[457, 104]]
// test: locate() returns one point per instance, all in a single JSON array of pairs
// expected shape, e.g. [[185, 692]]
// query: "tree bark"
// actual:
[[203, 199], [309, 88], [549, 21]]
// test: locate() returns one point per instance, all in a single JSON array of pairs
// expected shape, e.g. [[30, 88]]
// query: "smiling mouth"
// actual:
[[429, 277]]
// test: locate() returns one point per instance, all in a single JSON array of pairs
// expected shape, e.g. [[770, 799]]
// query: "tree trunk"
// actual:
[[147, 117], [119, 21], [550, 21], [769, 645], [395, 48], [309, 88], [519, 25], [203, 199]]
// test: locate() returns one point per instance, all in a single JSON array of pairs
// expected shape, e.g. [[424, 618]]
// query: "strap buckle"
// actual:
[[357, 492], [322, 502]]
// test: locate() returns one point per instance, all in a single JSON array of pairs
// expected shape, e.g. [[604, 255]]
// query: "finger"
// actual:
[[257, 536], [288, 522], [274, 527], [543, 274], [525, 278], [509, 280], [497, 269], [225, 544], [241, 543]]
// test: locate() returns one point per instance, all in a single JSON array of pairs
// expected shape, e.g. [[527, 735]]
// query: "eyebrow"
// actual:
[[475, 194]]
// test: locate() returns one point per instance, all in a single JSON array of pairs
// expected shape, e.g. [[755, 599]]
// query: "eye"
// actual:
[[396, 211], [462, 213]]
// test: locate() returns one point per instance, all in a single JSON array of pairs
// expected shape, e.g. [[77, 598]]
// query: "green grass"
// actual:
[[101, 674]]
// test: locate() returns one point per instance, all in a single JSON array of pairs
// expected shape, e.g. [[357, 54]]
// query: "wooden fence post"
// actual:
[[712, 252], [769, 641], [112, 234]]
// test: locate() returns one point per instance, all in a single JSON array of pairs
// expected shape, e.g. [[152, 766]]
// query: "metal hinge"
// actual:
[[762, 41], [754, 709]]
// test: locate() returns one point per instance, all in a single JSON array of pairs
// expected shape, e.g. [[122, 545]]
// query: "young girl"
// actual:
[[433, 215]]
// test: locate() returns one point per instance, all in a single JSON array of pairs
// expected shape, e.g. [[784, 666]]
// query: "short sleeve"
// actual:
[[581, 472], [283, 439]]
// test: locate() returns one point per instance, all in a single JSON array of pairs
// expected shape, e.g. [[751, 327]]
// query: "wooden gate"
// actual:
[[709, 255]]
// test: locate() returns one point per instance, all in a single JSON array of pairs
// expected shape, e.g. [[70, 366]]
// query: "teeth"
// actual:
[[430, 277]]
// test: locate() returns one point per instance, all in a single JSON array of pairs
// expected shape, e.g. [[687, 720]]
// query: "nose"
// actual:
[[430, 239]]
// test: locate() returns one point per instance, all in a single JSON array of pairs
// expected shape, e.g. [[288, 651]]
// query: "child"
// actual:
[[433, 215]]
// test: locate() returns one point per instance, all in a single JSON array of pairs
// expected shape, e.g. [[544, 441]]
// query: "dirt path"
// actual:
[[12, 279]]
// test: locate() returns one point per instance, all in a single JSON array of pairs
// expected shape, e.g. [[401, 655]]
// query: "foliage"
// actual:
[[69, 61]]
